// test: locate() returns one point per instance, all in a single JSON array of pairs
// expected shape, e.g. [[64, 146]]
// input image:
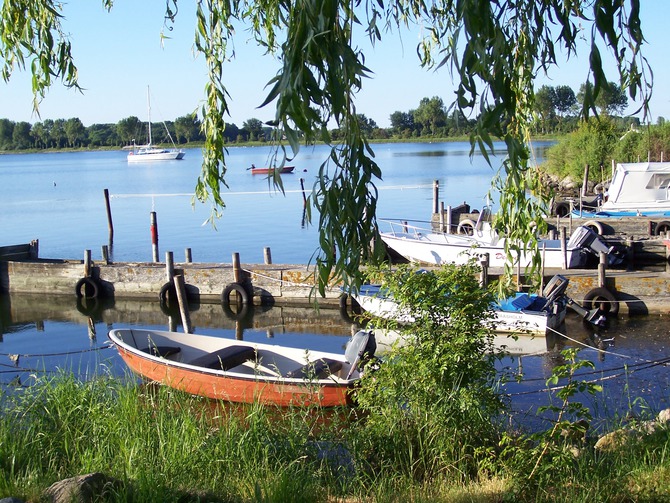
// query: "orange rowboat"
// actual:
[[246, 372], [267, 171]]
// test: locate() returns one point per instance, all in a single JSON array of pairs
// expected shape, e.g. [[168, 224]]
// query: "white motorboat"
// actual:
[[637, 189], [522, 313], [150, 152], [426, 246]]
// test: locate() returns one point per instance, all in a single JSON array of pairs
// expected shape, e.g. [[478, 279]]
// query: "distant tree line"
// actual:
[[556, 112]]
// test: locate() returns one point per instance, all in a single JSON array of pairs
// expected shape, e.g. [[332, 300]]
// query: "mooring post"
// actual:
[[484, 277], [110, 224], [154, 236], [564, 248], [436, 195], [441, 216], [105, 254], [187, 256], [183, 303], [169, 266], [304, 197], [237, 271], [87, 263], [585, 183], [267, 255], [602, 267], [448, 223]]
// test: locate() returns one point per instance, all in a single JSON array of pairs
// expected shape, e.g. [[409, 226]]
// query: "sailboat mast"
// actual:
[[149, 113]]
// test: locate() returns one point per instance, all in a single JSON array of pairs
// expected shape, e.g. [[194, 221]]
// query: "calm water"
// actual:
[[58, 199]]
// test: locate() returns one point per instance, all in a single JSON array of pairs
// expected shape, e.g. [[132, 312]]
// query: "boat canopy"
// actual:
[[640, 182]]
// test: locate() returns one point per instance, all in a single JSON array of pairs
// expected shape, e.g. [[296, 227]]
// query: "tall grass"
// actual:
[[168, 446]]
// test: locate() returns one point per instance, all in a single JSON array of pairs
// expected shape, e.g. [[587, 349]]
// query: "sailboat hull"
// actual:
[[155, 154]]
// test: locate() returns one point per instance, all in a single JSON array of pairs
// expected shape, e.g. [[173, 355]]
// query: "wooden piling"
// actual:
[[602, 267], [436, 195], [267, 255], [183, 303], [188, 258], [87, 263], [237, 270], [154, 236], [484, 276], [110, 224], [169, 266], [104, 251], [448, 222], [585, 183]]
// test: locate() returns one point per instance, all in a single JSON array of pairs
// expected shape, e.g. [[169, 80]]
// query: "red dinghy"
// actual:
[[267, 171], [246, 372]]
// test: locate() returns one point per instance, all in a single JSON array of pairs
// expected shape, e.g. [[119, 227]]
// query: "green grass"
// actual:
[[168, 446]]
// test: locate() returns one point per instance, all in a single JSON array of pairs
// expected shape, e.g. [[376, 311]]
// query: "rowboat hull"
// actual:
[[265, 378], [267, 171]]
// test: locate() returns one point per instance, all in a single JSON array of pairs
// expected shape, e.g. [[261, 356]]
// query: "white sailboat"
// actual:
[[148, 152]]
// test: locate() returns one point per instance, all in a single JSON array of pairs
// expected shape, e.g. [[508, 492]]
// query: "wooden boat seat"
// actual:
[[161, 351], [226, 358], [319, 369]]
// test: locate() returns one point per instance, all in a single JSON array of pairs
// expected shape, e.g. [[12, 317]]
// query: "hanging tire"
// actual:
[[562, 209], [595, 226], [87, 288], [602, 299], [662, 228], [168, 295], [466, 227], [242, 293], [349, 317]]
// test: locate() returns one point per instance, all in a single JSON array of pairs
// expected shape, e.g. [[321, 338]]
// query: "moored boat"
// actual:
[[521, 313], [267, 171], [423, 245], [637, 189], [150, 152], [246, 372]]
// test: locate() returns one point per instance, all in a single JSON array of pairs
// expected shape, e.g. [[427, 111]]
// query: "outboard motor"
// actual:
[[360, 349], [594, 316], [586, 238]]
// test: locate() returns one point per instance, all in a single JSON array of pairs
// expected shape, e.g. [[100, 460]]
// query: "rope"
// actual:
[[34, 355]]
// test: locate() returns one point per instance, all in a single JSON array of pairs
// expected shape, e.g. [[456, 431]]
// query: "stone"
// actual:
[[82, 489]]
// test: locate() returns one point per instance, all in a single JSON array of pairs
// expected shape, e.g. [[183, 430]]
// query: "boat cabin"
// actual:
[[639, 182]]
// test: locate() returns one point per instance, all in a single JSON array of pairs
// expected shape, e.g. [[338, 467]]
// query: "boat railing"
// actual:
[[414, 228]]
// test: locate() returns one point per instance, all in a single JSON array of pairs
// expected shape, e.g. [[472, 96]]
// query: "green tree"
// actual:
[[75, 132], [493, 49], [431, 114], [255, 129], [609, 100], [6, 133], [402, 121], [187, 128], [102, 135], [127, 130], [565, 99], [545, 106], [21, 138]]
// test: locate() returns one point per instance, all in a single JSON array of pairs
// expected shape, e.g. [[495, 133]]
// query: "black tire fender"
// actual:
[[87, 288], [595, 226], [344, 309], [562, 209], [239, 289], [466, 227], [168, 294], [662, 227], [602, 299], [88, 306]]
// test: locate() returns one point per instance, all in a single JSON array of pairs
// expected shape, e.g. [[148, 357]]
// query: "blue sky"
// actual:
[[119, 54]]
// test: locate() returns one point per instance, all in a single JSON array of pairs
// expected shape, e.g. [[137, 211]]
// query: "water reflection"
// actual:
[[40, 335]]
